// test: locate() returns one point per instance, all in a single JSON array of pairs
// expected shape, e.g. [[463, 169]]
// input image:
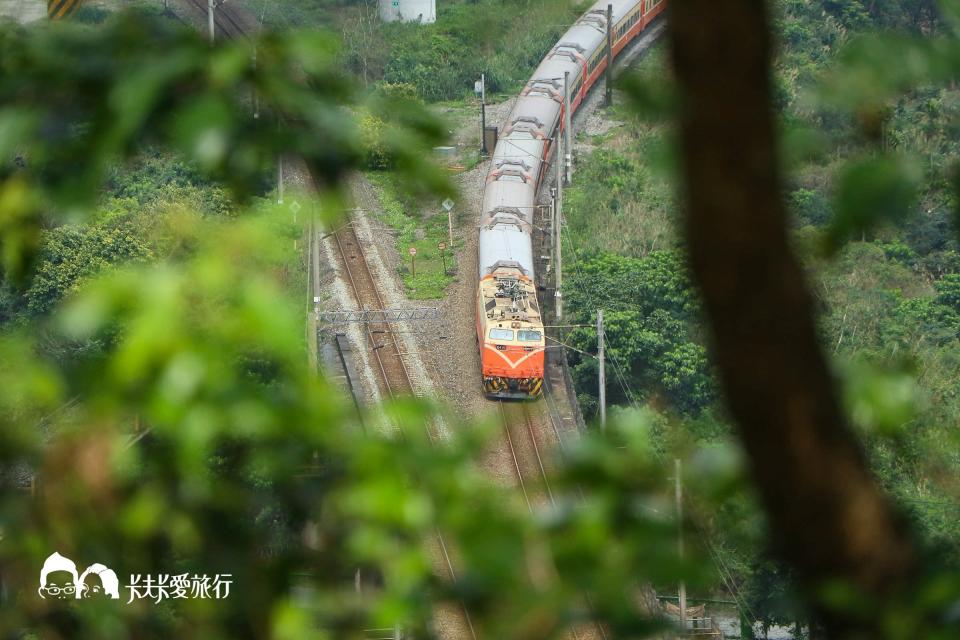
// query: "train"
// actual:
[[510, 331]]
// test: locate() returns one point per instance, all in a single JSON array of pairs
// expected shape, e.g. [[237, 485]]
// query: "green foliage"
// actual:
[[188, 101], [923, 319], [242, 453], [196, 440], [948, 291], [620, 201], [415, 225], [649, 312], [227, 477], [810, 207], [502, 38], [131, 224], [71, 253], [152, 174], [872, 191], [870, 141], [770, 594], [371, 136]]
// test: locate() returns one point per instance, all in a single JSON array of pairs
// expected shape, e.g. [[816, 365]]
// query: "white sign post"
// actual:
[[448, 205]]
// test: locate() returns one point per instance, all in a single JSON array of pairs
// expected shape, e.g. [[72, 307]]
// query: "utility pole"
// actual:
[[280, 179], [568, 158], [601, 347], [483, 114], [557, 237], [682, 591], [608, 97], [210, 7], [256, 95]]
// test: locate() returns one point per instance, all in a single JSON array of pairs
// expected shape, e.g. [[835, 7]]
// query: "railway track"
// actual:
[[532, 477], [535, 486], [383, 344], [393, 373]]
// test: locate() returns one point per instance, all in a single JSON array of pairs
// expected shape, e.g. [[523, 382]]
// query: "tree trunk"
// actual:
[[827, 516]]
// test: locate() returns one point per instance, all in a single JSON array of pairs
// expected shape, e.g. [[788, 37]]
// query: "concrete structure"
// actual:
[[23, 10], [424, 11]]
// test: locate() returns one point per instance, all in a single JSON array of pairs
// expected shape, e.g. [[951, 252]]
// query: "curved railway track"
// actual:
[[532, 476]]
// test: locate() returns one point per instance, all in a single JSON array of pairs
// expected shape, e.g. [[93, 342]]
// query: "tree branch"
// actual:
[[828, 517]]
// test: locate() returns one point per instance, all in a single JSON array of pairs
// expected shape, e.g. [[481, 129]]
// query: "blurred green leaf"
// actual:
[[870, 192], [881, 400]]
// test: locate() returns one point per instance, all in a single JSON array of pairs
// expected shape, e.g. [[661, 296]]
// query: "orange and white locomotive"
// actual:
[[509, 324]]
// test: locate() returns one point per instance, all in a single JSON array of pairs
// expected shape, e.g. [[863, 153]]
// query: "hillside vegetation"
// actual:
[[505, 39]]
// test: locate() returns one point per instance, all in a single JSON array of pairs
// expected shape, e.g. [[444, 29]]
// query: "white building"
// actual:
[[424, 11]]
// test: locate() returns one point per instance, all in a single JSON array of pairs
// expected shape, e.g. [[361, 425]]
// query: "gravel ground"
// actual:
[[592, 124], [384, 262]]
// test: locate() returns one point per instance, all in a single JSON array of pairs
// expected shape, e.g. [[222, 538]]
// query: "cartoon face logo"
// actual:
[[58, 578], [99, 581]]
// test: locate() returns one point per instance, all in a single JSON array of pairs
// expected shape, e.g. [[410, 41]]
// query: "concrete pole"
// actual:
[[280, 179], [601, 348], [210, 24], [567, 128], [608, 97], [682, 591], [256, 94], [483, 114], [557, 223]]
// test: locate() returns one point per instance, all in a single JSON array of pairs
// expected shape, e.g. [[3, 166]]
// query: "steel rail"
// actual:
[[528, 420], [349, 229], [364, 273], [513, 454], [563, 453], [357, 297]]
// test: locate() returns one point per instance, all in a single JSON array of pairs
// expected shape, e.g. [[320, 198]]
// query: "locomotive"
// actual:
[[510, 331]]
